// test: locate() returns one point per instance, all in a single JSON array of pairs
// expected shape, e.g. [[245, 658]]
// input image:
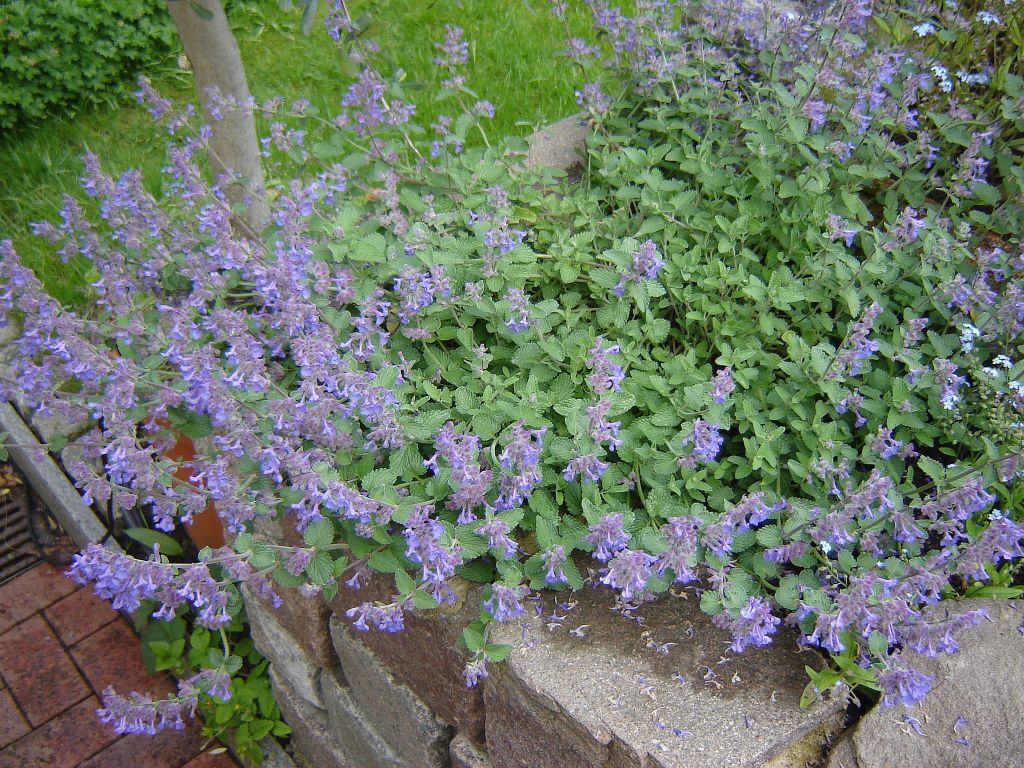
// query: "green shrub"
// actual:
[[56, 53]]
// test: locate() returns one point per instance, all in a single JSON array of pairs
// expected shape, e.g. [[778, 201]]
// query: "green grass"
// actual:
[[513, 64]]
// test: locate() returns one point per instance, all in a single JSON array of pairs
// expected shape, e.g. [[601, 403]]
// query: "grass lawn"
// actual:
[[513, 63]]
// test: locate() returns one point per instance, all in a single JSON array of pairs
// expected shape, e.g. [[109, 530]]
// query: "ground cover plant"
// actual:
[[767, 350], [515, 62]]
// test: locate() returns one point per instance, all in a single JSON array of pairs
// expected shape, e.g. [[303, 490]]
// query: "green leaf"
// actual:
[[150, 538], [319, 534], [321, 569]]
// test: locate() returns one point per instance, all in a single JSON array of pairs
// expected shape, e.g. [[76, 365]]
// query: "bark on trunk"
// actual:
[[216, 62]]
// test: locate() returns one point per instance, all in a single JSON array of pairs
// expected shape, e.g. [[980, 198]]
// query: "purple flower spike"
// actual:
[[607, 536]]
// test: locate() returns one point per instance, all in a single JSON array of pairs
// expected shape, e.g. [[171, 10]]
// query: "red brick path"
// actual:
[[60, 646]]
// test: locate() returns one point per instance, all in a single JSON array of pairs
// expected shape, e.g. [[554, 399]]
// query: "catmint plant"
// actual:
[[731, 361]]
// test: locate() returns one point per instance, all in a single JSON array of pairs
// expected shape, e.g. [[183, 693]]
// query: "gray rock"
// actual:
[[311, 735], [559, 144], [49, 481], [353, 731], [465, 754], [607, 699], [415, 734], [286, 654], [980, 683]]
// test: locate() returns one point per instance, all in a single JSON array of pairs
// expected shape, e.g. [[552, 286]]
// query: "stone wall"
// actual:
[[585, 688]]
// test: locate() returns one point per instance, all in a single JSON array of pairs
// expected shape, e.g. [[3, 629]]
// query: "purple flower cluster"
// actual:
[[605, 374], [423, 537], [628, 572], [588, 467], [857, 347], [601, 430], [126, 582], [753, 626], [506, 603], [462, 453], [706, 440], [647, 263], [417, 290], [607, 536], [521, 457], [722, 385]]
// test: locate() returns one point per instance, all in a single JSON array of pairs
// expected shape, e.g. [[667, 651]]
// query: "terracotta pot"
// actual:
[[206, 528]]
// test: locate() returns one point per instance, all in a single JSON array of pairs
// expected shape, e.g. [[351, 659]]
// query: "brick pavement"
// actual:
[[60, 646]]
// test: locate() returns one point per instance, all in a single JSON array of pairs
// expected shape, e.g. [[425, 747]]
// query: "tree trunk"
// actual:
[[216, 63]]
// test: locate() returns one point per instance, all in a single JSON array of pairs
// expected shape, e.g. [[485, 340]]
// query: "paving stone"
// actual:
[[354, 732], [112, 656], [415, 734], [13, 724], [64, 742], [79, 615], [424, 656], [30, 592], [311, 733], [39, 674], [465, 754], [286, 653], [980, 683], [559, 144], [167, 749], [607, 700]]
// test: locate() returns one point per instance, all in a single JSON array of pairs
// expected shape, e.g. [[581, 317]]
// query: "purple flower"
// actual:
[[593, 99], [754, 625], [521, 457], [518, 310], [506, 603], [722, 385], [814, 111], [607, 536], [706, 440], [646, 264], [629, 571], [588, 467], [840, 229], [475, 671], [137, 713], [602, 430], [858, 346], [386, 618], [903, 684], [885, 445], [681, 536], [605, 374], [496, 531], [554, 559], [417, 290], [949, 383]]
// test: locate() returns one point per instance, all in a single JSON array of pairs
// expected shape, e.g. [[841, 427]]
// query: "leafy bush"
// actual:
[[223, 677], [768, 351], [56, 53]]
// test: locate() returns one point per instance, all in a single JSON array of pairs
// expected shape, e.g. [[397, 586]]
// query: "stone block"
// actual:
[[424, 656], [970, 719], [558, 145], [353, 731], [412, 730], [607, 697], [311, 732], [304, 617], [284, 649], [465, 754]]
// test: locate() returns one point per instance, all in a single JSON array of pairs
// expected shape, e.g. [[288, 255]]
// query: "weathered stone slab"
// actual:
[[304, 617], [610, 699], [414, 733], [423, 656], [311, 733], [286, 654], [559, 144], [353, 731], [981, 683], [465, 754]]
